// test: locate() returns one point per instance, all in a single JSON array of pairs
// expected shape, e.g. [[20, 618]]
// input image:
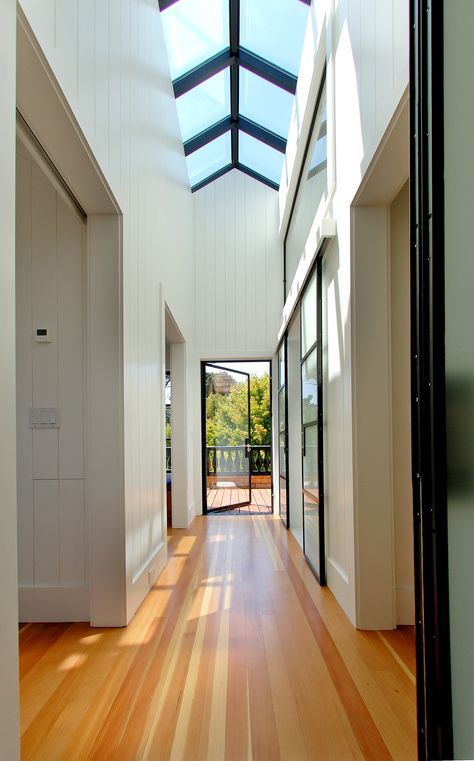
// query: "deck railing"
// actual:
[[226, 460]]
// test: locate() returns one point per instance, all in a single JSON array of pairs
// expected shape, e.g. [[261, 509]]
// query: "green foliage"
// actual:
[[227, 414]]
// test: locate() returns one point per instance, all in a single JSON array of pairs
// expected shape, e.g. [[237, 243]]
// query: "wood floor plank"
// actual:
[[236, 653]]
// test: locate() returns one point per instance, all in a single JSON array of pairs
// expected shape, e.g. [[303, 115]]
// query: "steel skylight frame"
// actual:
[[233, 57]]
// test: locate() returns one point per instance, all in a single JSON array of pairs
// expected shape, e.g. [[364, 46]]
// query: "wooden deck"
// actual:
[[261, 500], [236, 653]]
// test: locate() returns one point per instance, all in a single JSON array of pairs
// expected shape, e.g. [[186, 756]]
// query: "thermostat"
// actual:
[[43, 335]]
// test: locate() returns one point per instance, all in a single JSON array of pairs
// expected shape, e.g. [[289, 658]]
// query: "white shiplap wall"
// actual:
[[239, 266], [110, 63], [50, 293]]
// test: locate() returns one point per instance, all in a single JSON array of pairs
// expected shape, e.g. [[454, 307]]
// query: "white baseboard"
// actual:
[[191, 512], [50, 604], [338, 583]]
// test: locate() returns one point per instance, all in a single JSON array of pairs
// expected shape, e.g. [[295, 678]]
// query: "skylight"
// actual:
[[234, 65]]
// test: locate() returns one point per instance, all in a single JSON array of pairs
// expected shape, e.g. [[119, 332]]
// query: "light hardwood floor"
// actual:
[[236, 653]]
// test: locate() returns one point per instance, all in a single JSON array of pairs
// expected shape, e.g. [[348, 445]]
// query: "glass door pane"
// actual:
[[311, 496], [311, 425], [282, 433], [227, 438]]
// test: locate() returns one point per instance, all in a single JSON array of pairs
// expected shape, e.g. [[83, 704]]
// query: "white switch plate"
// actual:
[[44, 417]]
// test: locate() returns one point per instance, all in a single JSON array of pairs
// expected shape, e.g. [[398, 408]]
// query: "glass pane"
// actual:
[[309, 389], [311, 496], [311, 192], [281, 366], [264, 103], [274, 29], [204, 105], [260, 157], [281, 409], [209, 159], [283, 490], [308, 317], [194, 30], [227, 429]]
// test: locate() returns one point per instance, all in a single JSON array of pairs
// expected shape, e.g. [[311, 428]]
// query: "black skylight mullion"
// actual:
[[261, 133], [207, 135], [262, 67], [164, 4], [200, 73], [234, 37], [257, 176], [212, 177]]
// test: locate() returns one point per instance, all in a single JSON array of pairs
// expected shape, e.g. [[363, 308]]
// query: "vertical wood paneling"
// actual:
[[49, 294], [24, 373], [46, 453], [70, 343], [239, 267], [66, 41], [46, 527], [45, 289], [124, 106], [72, 548]]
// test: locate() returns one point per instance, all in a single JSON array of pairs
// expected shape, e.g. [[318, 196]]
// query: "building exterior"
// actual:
[[123, 266]]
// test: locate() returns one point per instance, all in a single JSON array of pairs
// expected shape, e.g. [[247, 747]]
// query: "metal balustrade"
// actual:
[[228, 460]]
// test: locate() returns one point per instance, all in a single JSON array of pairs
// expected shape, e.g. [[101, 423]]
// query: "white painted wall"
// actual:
[[401, 406], [9, 720], [52, 525], [238, 268], [110, 63], [459, 268], [365, 46], [239, 275]]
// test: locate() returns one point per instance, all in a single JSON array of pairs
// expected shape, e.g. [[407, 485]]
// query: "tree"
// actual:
[[227, 414]]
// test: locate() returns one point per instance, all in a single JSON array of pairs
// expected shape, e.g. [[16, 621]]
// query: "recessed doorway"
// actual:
[[236, 437]]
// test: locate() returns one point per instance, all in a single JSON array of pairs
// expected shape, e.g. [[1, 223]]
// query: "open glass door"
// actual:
[[226, 438]]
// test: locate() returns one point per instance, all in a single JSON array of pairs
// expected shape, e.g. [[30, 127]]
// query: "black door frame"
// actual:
[[434, 700], [283, 343], [318, 345], [215, 363]]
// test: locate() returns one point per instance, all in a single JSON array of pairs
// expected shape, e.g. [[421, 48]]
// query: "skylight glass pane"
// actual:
[[260, 158], [274, 29], [209, 159], [264, 103], [204, 105], [195, 30]]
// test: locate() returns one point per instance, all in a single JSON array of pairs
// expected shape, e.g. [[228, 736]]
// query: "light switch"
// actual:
[[44, 417]]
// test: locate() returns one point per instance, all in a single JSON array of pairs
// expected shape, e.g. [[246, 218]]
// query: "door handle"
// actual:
[[247, 448]]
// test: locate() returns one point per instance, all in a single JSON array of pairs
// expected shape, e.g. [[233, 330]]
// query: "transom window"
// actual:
[[234, 66]]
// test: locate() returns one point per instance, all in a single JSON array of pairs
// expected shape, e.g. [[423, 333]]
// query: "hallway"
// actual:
[[236, 653]]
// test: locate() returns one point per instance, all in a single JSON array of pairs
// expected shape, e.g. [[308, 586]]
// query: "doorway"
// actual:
[[236, 437]]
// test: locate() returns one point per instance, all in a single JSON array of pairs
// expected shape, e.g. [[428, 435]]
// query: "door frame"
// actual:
[[216, 362], [315, 270]]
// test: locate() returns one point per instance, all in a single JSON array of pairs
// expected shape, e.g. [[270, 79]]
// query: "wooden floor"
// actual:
[[236, 653], [261, 500]]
